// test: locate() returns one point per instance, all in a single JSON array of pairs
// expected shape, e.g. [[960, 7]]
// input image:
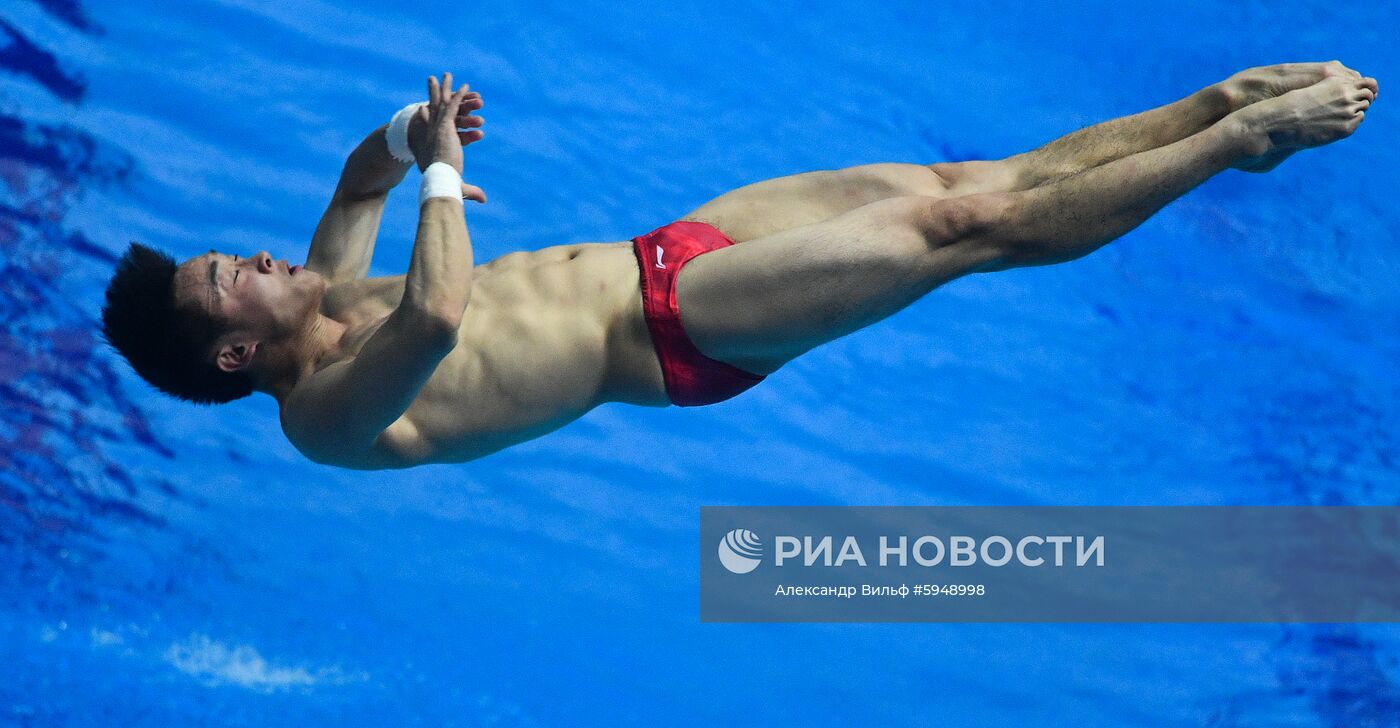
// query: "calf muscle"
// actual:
[[1077, 215]]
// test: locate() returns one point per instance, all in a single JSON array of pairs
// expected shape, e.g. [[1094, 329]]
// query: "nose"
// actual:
[[264, 262]]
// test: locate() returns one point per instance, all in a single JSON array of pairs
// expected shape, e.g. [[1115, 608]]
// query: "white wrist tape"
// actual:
[[440, 180], [396, 136]]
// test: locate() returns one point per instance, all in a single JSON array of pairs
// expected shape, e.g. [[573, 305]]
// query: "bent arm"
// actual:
[[343, 411], [343, 244], [439, 280]]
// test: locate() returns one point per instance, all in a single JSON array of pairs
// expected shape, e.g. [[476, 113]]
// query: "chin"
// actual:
[[314, 294], [306, 299], [310, 281]]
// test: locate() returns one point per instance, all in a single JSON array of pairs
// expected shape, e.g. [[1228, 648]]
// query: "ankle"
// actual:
[[1221, 99]]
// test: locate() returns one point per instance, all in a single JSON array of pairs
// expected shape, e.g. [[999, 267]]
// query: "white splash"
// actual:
[[215, 663], [104, 638]]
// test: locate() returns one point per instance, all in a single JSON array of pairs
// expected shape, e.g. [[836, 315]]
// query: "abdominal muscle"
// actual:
[[548, 336]]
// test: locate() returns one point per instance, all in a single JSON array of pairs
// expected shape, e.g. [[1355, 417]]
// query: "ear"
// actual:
[[236, 357]]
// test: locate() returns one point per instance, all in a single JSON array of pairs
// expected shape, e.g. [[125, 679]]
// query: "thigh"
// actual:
[[774, 205], [759, 304], [771, 206]]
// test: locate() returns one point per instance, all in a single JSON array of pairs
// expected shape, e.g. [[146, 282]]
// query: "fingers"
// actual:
[[472, 192], [457, 96], [458, 105], [465, 118], [453, 102], [472, 102], [441, 92]]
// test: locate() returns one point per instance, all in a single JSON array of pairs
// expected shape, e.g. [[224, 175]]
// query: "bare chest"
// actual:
[[547, 336]]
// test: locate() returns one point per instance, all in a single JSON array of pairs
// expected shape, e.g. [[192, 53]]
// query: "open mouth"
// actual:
[[293, 270]]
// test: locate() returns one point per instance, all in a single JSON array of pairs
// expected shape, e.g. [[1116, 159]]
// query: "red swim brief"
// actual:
[[692, 379]]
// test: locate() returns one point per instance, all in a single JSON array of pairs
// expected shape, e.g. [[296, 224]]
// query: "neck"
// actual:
[[287, 363]]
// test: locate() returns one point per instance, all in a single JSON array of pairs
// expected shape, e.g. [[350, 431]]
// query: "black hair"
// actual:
[[167, 345]]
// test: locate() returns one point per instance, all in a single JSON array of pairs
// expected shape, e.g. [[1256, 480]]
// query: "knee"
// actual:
[[868, 183], [981, 176], [966, 234], [985, 216]]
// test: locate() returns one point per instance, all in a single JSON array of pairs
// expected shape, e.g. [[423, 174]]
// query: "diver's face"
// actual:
[[254, 297]]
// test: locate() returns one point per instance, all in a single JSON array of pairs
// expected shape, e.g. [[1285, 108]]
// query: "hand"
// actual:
[[440, 129], [468, 124]]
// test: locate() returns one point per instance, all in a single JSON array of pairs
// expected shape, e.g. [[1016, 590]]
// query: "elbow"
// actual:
[[437, 327], [440, 330]]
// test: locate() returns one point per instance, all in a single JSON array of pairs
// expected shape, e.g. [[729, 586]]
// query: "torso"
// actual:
[[548, 336]]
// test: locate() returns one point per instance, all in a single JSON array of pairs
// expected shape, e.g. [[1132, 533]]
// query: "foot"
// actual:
[[1261, 83], [1253, 85], [1322, 113]]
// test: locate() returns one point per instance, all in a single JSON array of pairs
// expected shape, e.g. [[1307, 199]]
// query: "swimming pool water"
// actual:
[[162, 564]]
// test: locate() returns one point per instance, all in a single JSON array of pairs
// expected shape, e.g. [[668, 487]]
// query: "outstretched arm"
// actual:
[[343, 244]]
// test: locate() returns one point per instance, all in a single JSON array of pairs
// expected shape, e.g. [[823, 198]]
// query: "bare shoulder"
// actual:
[[308, 414], [314, 415]]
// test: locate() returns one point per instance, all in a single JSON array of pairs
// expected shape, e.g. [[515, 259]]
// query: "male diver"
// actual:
[[453, 361]]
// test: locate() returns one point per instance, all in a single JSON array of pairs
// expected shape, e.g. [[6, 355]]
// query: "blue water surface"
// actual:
[[163, 564]]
